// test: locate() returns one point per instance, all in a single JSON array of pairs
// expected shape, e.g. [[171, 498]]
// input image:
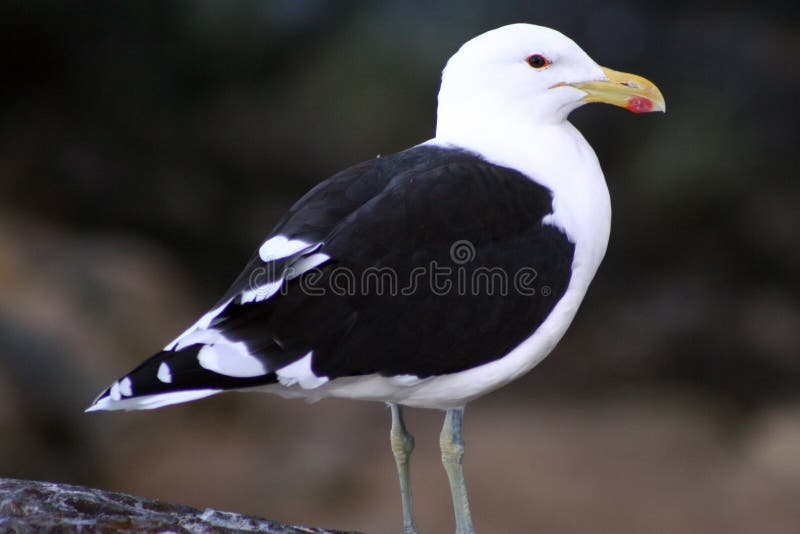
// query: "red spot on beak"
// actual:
[[639, 104]]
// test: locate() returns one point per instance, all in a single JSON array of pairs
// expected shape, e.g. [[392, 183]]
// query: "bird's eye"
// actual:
[[538, 61]]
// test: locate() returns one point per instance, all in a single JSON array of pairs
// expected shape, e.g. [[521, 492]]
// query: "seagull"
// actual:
[[429, 277]]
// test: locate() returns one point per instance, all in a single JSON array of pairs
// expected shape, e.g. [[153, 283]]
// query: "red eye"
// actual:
[[538, 61]]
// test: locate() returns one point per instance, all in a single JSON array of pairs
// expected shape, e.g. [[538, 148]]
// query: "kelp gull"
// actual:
[[428, 277]]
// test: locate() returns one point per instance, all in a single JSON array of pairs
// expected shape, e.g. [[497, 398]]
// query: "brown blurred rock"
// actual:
[[27, 506], [76, 309]]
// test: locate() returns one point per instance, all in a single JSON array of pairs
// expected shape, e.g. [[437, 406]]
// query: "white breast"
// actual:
[[559, 158]]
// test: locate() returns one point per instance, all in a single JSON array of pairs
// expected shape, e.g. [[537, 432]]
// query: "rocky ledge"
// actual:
[[29, 506]]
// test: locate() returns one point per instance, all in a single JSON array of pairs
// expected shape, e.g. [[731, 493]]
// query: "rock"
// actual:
[[30, 506]]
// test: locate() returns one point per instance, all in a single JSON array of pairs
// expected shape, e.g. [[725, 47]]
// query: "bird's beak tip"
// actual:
[[629, 91]]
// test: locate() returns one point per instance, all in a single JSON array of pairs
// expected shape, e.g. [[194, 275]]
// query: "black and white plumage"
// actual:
[[507, 178], [394, 330]]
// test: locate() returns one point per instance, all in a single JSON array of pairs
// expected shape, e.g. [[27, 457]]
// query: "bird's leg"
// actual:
[[452, 453], [402, 446]]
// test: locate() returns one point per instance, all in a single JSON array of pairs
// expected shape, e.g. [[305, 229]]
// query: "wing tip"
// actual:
[[149, 402]]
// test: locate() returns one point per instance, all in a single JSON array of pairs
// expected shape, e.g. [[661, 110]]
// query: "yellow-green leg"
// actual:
[[452, 454], [402, 446]]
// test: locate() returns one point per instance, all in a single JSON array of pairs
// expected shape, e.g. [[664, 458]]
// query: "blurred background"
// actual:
[[147, 147]]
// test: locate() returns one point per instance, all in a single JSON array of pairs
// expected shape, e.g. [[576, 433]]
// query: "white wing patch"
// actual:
[[230, 359], [279, 247], [120, 388], [273, 249], [203, 323], [305, 264], [126, 387], [197, 337], [261, 292], [164, 373], [221, 355], [300, 373]]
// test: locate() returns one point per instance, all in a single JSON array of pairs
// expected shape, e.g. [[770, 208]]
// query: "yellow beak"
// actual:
[[628, 91]]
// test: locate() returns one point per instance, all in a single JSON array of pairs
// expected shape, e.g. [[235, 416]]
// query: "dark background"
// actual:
[[147, 147]]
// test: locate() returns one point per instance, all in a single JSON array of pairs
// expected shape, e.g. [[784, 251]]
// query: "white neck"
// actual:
[[554, 154]]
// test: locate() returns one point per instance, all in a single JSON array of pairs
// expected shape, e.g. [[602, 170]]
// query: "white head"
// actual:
[[533, 74]]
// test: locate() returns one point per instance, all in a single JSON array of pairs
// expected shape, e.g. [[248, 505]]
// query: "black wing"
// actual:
[[396, 297], [436, 261]]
